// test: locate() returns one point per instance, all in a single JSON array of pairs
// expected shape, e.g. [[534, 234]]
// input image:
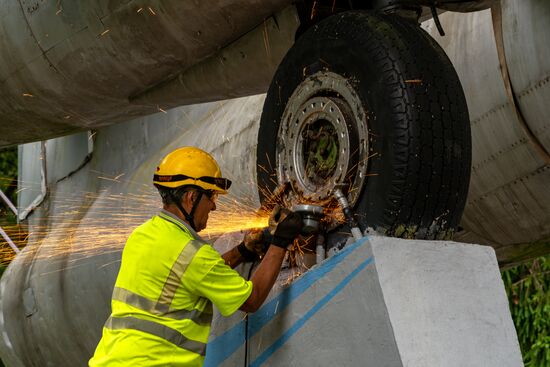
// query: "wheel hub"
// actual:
[[322, 139]]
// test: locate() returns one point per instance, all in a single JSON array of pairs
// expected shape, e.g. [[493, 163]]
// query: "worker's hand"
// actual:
[[284, 226], [254, 241]]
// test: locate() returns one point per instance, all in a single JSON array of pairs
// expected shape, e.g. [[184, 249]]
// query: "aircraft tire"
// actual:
[[409, 143]]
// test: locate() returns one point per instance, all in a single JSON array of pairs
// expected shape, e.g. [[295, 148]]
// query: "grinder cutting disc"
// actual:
[[311, 215]]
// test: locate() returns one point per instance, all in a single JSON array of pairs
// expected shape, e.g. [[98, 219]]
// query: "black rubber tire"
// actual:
[[417, 119]]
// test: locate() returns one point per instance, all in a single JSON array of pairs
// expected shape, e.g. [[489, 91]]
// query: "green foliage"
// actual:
[[8, 173], [8, 184], [8, 162], [527, 287]]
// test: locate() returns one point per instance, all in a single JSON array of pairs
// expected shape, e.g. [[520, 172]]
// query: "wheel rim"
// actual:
[[322, 140]]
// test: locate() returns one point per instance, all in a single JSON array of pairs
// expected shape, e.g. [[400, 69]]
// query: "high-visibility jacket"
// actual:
[[162, 300]]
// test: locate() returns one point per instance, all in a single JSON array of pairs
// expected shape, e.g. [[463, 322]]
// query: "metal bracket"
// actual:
[[2, 232]]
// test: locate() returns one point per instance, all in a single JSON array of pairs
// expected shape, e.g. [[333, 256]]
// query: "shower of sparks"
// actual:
[[298, 250], [89, 224], [85, 225], [232, 216], [71, 233]]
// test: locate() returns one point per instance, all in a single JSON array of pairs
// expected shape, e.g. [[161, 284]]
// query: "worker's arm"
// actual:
[[264, 278], [284, 227]]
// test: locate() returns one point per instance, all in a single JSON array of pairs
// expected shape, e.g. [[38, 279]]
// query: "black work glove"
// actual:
[[284, 226]]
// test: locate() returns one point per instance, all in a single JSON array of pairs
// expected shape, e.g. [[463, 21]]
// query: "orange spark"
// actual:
[[313, 10], [266, 40]]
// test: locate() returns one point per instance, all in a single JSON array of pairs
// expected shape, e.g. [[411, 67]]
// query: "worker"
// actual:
[[169, 277]]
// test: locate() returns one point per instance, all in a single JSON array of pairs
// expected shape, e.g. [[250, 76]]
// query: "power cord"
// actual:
[[246, 322]]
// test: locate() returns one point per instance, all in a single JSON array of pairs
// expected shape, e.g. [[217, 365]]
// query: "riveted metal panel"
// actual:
[[508, 202], [86, 59], [522, 207], [526, 43]]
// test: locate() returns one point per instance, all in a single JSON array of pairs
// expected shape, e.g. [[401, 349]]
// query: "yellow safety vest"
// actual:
[[162, 300]]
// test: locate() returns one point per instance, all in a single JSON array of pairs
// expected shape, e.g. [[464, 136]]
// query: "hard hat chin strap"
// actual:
[[189, 216]]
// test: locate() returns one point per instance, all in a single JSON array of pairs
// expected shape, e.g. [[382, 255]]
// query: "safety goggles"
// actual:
[[220, 182], [212, 195]]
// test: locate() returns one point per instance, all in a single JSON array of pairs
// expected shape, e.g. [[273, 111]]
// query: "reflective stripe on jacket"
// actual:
[[161, 304]]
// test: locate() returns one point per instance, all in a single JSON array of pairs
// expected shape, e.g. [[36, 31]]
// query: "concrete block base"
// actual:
[[380, 302]]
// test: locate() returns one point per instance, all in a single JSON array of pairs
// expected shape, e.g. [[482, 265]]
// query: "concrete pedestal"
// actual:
[[380, 302]]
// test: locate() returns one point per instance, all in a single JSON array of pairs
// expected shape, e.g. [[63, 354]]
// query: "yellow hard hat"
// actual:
[[191, 166]]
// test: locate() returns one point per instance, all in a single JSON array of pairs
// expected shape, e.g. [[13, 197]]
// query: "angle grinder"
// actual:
[[311, 216]]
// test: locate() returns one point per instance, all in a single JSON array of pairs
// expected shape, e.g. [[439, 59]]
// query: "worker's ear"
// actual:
[[189, 197]]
